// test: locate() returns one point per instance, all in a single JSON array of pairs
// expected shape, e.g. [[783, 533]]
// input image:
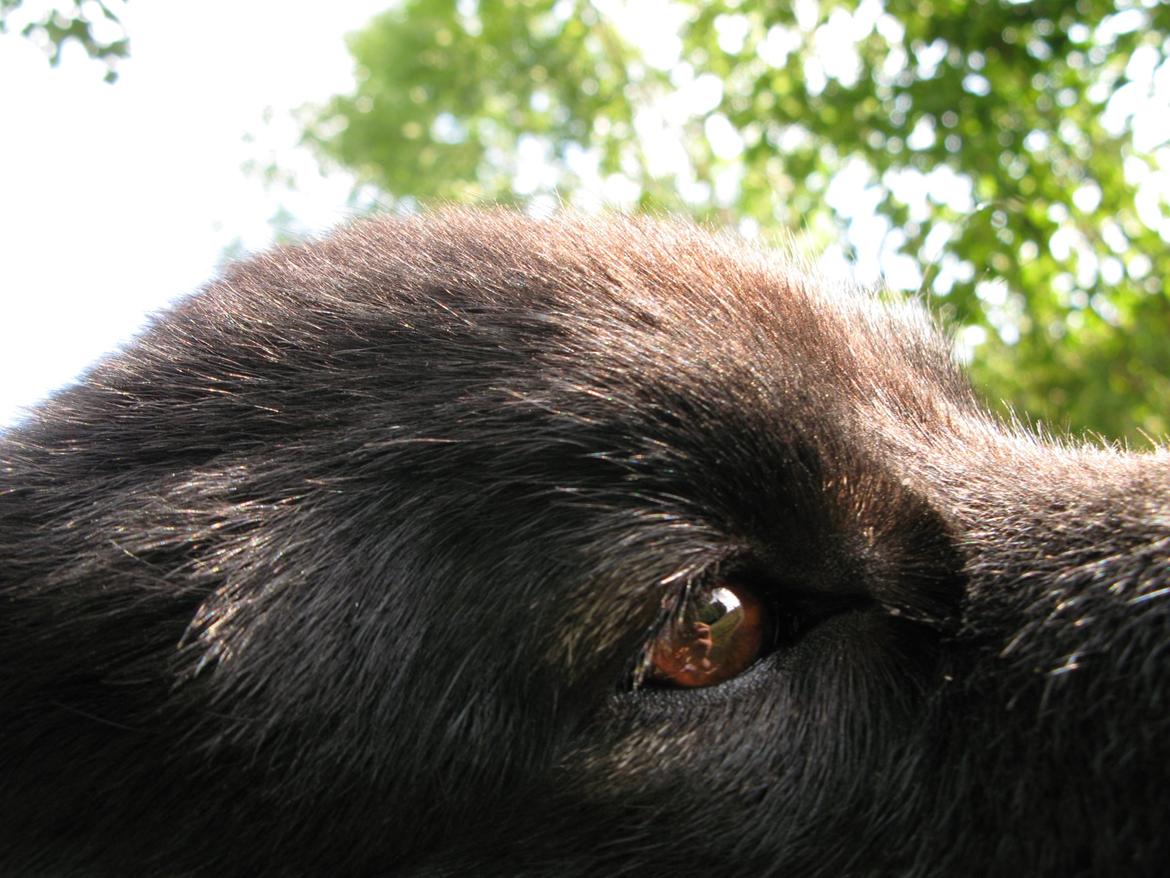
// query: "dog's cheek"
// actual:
[[802, 746]]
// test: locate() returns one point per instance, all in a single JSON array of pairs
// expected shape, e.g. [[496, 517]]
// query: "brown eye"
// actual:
[[720, 635]]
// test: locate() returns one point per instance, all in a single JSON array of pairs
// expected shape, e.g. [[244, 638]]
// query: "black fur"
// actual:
[[345, 565]]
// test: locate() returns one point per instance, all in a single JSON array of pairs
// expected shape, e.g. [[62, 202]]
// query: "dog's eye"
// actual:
[[718, 634]]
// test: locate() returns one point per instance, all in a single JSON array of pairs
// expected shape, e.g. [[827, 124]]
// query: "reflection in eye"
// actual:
[[719, 635]]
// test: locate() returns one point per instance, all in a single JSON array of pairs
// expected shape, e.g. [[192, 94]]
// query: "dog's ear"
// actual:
[[477, 544]]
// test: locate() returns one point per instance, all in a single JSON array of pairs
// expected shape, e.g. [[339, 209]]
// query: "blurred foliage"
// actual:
[[94, 24], [1013, 150]]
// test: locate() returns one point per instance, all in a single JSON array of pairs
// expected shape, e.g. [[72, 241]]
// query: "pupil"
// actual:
[[720, 603]]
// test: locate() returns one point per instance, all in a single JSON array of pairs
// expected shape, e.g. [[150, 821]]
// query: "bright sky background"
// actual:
[[116, 199]]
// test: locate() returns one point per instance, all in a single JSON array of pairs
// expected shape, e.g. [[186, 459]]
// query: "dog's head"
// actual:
[[474, 544]]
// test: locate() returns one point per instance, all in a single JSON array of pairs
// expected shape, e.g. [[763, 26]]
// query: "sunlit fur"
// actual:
[[345, 565]]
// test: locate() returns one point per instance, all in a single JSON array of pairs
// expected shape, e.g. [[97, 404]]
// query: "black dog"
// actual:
[[479, 545]]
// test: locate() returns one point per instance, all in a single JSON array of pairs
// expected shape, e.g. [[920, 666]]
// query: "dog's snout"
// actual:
[[1069, 569]]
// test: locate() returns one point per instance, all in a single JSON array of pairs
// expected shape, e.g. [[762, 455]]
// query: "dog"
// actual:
[[477, 544]]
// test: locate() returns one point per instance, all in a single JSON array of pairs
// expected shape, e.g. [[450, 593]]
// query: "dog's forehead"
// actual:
[[623, 303], [603, 336], [716, 374], [644, 312]]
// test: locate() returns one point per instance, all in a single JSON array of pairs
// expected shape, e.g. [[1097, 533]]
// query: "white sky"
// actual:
[[116, 199]]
